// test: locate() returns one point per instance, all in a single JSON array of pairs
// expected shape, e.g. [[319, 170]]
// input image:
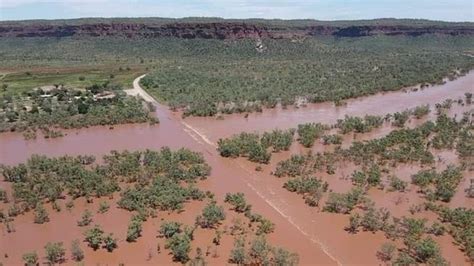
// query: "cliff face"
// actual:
[[223, 30]]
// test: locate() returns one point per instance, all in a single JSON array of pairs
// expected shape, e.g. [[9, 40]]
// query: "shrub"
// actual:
[[211, 216], [55, 252], [76, 252], [134, 228], [30, 258], [238, 254], [94, 237], [169, 229], [308, 133], [41, 215], [237, 200], [86, 219], [180, 246]]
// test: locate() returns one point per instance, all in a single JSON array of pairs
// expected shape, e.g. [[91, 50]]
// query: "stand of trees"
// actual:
[[236, 78], [65, 108]]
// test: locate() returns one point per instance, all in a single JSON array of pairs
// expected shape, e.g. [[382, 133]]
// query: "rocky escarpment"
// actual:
[[221, 30]]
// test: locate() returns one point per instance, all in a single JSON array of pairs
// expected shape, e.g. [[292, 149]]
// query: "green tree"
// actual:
[[110, 243], [76, 251], [426, 249], [386, 252], [238, 254], [94, 237], [41, 215], [31, 258], [103, 207], [168, 229], [86, 219], [211, 216], [282, 257], [238, 201], [259, 251], [180, 246], [55, 252], [134, 228]]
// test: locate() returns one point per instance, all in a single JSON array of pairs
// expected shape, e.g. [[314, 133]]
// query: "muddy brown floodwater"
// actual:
[[328, 113], [317, 237]]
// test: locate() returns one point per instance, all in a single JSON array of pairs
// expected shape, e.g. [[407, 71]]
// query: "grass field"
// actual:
[[70, 77]]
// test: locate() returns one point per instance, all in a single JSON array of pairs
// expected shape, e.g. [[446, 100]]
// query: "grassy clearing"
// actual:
[[24, 81]]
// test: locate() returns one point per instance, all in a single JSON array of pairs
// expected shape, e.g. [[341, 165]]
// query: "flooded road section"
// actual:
[[328, 113], [317, 237]]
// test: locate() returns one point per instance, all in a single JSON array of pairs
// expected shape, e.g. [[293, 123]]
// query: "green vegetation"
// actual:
[[69, 108], [103, 207], [344, 202], [308, 133], [110, 243], [254, 147], [207, 76], [421, 111], [169, 229], [332, 139], [77, 253], [94, 237], [224, 82], [400, 118], [41, 215], [55, 252], [211, 216], [278, 140], [396, 184], [359, 125], [311, 188], [462, 227], [42, 178], [260, 252], [370, 177], [134, 230], [86, 219], [238, 201], [445, 183], [180, 246], [70, 77], [30, 258]]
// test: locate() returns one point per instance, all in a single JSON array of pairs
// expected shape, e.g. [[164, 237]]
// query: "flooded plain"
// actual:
[[318, 237]]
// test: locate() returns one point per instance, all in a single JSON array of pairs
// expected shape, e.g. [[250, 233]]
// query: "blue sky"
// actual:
[[448, 10]]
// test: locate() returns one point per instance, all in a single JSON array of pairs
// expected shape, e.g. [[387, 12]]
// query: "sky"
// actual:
[[447, 10]]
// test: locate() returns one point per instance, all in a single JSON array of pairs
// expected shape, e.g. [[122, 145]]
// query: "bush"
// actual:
[[332, 139], [94, 237], [169, 229], [134, 228], [86, 219], [41, 215], [343, 202], [308, 133], [110, 243], [396, 184], [103, 207], [76, 252], [359, 125], [55, 252], [238, 254], [211, 216], [180, 246], [237, 200], [426, 249], [30, 258], [386, 252]]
